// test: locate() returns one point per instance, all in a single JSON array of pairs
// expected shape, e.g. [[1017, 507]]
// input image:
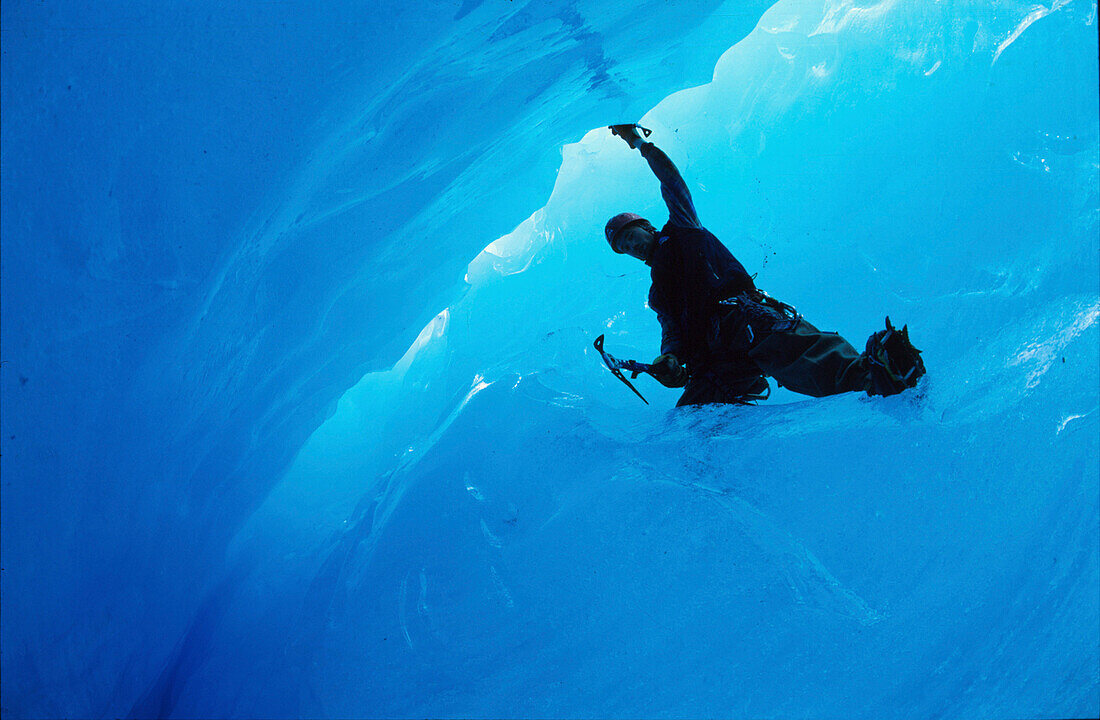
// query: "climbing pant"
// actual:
[[755, 338], [809, 361]]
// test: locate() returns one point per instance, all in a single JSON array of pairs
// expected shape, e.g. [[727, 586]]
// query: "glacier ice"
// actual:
[[301, 415]]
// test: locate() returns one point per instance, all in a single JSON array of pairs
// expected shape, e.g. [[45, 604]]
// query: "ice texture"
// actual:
[[301, 416]]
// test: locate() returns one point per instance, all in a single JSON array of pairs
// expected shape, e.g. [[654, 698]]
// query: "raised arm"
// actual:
[[681, 209]]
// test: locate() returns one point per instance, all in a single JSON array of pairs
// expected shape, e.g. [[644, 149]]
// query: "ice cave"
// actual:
[[301, 414]]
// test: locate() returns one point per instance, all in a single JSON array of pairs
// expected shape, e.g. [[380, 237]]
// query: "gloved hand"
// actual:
[[668, 371], [629, 133]]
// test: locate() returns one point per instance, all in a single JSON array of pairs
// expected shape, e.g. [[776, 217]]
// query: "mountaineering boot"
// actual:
[[894, 363]]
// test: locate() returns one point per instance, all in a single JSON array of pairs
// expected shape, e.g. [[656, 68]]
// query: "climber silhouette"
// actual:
[[720, 334]]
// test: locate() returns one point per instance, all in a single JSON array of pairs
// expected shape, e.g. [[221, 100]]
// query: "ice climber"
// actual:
[[720, 334]]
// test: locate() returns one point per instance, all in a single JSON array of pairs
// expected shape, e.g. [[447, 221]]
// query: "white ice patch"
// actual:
[[501, 588], [1036, 14], [1041, 355], [434, 329], [842, 14], [489, 536], [1070, 418], [513, 253]]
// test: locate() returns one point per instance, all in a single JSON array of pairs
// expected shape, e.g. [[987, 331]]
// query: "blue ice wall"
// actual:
[[300, 416]]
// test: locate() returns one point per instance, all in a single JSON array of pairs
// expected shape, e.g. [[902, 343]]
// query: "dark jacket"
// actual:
[[691, 271]]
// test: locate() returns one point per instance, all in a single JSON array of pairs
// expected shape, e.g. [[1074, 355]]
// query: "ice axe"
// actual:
[[627, 129], [617, 366]]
